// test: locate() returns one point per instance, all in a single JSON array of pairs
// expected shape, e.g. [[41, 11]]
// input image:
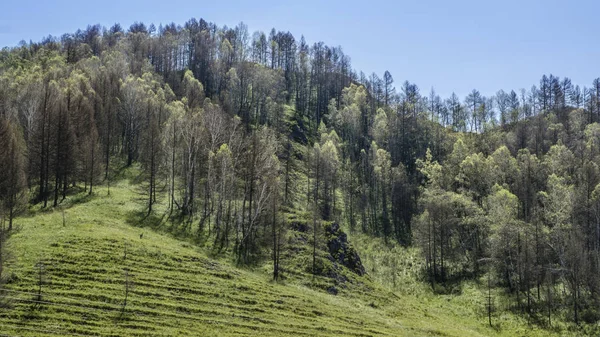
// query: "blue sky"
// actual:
[[451, 45]]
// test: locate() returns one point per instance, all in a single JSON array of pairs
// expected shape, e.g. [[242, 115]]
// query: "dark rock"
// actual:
[[332, 290], [335, 274], [298, 134], [341, 251], [299, 226]]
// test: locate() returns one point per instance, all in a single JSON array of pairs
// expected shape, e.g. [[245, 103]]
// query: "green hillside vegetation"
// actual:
[[177, 288], [195, 180]]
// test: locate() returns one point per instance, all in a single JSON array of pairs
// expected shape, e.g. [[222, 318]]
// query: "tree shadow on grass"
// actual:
[[74, 198], [179, 228], [452, 284], [34, 310], [141, 218]]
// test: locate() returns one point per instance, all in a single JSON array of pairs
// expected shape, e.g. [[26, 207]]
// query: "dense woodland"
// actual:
[[231, 129]]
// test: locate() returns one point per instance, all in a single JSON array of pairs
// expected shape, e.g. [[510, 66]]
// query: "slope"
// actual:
[[88, 259]]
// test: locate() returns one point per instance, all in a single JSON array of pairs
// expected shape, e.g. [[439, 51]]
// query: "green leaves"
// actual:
[[558, 202], [432, 170]]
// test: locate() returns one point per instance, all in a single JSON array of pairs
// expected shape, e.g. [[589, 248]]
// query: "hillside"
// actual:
[[197, 179], [176, 289]]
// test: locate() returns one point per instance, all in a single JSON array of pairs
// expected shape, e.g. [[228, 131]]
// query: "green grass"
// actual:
[[399, 270], [179, 289]]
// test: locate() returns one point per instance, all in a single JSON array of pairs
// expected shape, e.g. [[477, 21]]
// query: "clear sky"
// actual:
[[451, 45]]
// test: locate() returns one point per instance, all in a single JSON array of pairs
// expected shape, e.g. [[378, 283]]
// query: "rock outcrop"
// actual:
[[341, 251]]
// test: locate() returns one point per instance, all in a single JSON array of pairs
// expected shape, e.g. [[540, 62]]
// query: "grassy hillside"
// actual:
[[177, 289]]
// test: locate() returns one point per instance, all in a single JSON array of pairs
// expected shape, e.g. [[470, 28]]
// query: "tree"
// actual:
[[81, 126], [191, 138], [529, 182], [224, 190], [388, 82], [446, 230], [151, 140], [445, 223], [381, 129], [459, 118], [172, 142], [131, 114], [503, 169], [473, 178], [3, 258], [566, 92], [277, 232], [383, 173], [474, 101], [316, 163], [503, 107], [12, 170], [595, 94], [329, 166], [514, 106], [576, 97], [261, 175], [558, 207], [501, 207], [559, 161]]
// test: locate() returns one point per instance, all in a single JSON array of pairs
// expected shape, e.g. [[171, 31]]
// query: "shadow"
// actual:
[[451, 285], [78, 194], [122, 316], [33, 311], [74, 199], [178, 227], [141, 218]]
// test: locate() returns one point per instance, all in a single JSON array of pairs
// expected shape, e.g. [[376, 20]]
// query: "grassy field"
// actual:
[[89, 261]]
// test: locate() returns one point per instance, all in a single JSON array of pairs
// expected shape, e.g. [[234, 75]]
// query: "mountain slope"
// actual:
[[176, 289]]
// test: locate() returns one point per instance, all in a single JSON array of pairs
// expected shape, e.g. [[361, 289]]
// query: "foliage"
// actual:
[[233, 132]]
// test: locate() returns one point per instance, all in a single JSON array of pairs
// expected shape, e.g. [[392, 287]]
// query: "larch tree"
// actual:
[[388, 82], [12, 170], [192, 129], [131, 115], [473, 102]]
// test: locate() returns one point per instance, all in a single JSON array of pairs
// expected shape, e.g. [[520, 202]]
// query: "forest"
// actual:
[[232, 130]]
